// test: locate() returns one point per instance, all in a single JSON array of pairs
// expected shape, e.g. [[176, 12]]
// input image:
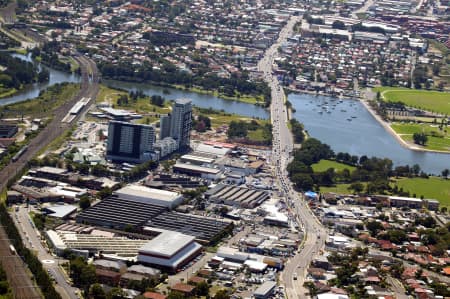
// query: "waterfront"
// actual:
[[347, 126], [33, 90], [198, 99]]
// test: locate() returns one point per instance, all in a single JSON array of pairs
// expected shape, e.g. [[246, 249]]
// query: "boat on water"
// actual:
[[353, 116], [349, 119], [343, 110]]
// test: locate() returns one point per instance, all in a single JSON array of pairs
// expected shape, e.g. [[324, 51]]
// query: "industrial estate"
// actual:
[[119, 182]]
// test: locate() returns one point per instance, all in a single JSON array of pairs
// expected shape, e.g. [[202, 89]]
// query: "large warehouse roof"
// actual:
[[202, 228], [241, 196], [116, 212], [131, 191], [167, 244], [120, 246]]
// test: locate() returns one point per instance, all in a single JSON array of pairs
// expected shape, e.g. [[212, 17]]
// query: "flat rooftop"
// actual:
[[143, 191], [202, 228], [116, 212], [196, 168], [167, 244]]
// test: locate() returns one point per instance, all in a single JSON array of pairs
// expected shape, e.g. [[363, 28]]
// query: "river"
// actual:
[[198, 99], [32, 91], [348, 127]]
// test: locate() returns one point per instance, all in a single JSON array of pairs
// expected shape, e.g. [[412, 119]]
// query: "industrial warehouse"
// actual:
[[206, 230], [237, 196], [169, 250], [136, 206]]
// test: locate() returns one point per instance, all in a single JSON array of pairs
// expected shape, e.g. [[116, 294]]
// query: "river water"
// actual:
[[32, 91], [345, 125], [199, 100], [348, 127]]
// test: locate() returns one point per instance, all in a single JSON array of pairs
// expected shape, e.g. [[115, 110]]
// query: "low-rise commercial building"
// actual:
[[153, 196], [265, 290], [169, 250]]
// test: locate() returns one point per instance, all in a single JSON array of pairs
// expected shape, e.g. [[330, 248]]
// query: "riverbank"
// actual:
[[246, 98], [249, 99], [394, 134], [8, 93]]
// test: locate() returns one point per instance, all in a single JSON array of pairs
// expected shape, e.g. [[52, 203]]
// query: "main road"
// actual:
[[315, 234], [19, 278]]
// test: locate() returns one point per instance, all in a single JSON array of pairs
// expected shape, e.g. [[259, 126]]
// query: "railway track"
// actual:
[[19, 276]]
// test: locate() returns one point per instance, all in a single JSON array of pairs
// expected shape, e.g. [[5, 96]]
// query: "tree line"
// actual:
[[19, 72], [240, 129], [373, 171], [34, 264], [169, 74]]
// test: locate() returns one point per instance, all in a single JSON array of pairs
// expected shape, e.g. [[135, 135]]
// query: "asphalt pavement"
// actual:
[[294, 274]]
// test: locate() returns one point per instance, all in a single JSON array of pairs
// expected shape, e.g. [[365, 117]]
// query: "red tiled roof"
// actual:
[[153, 295], [182, 287]]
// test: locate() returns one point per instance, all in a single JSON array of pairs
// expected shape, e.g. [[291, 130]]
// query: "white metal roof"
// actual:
[[167, 244], [143, 191]]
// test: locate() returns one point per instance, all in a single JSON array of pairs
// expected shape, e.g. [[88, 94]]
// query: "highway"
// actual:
[[294, 273], [20, 276]]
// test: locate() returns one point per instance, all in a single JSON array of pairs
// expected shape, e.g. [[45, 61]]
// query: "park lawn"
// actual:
[[246, 98], [42, 106], [256, 135], [433, 101], [323, 165], [437, 140], [219, 118], [431, 188], [147, 120], [142, 105], [338, 188], [106, 94]]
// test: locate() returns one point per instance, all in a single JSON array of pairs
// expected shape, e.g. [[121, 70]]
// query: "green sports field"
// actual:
[[323, 165], [432, 188], [437, 140], [433, 101]]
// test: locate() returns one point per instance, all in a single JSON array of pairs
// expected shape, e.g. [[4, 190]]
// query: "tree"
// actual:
[[416, 169], [374, 227], [96, 292], [221, 294], [202, 288], [175, 295], [311, 287], [237, 129], [338, 25], [420, 138], [445, 173], [43, 76], [116, 293], [157, 100], [104, 193], [357, 187], [85, 202]]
